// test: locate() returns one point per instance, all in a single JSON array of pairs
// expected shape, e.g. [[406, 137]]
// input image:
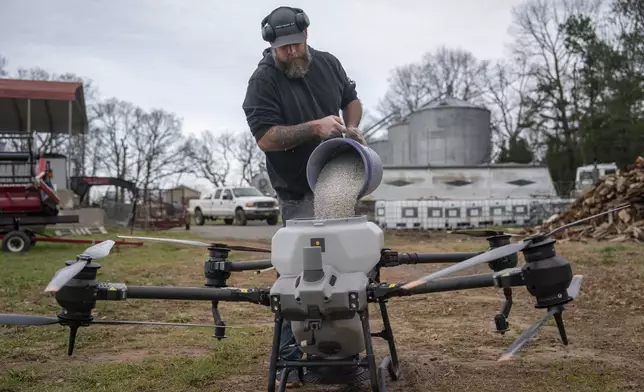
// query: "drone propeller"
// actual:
[[503, 251], [25, 319], [199, 243], [482, 258], [573, 292], [64, 275], [31, 320], [483, 233]]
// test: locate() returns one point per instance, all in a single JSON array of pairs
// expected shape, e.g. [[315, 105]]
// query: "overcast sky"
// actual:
[[194, 57]]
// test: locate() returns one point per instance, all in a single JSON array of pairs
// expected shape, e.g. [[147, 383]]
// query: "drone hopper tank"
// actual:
[[348, 244], [322, 305]]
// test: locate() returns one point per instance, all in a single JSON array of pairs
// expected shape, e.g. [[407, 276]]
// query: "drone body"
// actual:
[[323, 268]]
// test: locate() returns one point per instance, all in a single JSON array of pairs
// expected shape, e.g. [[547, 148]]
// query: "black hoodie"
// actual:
[[273, 99]]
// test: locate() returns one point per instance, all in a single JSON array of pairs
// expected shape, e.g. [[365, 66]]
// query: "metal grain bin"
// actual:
[[398, 135], [450, 132], [383, 148]]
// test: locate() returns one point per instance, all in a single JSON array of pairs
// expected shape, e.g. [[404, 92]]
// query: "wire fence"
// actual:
[[155, 208]]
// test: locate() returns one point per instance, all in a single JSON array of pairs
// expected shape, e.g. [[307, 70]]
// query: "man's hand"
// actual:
[[355, 134], [328, 127]]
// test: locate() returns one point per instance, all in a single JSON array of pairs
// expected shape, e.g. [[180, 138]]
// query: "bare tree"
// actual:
[[115, 124], [210, 156], [158, 148], [507, 86], [540, 44], [455, 73], [78, 147], [442, 73], [3, 66], [249, 156], [408, 90]]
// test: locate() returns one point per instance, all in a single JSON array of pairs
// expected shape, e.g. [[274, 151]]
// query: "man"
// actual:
[[292, 104]]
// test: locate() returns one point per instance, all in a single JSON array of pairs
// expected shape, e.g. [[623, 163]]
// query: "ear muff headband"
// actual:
[[301, 21]]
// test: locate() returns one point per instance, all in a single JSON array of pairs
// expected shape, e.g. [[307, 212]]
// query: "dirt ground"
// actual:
[[446, 341]]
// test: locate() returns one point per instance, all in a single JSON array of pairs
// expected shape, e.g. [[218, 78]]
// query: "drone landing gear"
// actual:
[[336, 372], [390, 363], [501, 319]]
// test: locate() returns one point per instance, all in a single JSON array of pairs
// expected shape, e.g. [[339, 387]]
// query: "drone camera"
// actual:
[[275, 303], [354, 300]]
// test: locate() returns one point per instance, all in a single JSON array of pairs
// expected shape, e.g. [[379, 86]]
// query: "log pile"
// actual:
[[626, 187]]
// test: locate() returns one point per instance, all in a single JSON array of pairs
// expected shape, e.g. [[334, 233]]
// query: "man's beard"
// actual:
[[296, 67]]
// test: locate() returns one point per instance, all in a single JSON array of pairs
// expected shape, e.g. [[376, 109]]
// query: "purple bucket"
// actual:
[[330, 148]]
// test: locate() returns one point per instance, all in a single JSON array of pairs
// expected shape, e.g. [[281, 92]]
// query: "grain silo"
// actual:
[[383, 148], [449, 132], [398, 135]]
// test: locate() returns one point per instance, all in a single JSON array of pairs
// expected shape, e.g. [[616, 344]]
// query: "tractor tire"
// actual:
[[16, 242]]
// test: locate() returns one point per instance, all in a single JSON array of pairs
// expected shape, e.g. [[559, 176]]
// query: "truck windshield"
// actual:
[[244, 192]]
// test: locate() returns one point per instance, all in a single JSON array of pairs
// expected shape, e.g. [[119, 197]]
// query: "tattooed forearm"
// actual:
[[282, 137]]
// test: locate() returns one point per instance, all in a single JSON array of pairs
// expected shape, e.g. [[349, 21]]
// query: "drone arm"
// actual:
[[503, 279], [454, 284], [385, 290], [429, 258], [250, 265], [119, 291], [390, 258]]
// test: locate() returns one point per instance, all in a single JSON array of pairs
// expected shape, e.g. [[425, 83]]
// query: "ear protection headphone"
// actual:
[[301, 21]]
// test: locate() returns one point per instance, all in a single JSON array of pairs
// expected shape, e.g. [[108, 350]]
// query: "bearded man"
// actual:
[[292, 104]]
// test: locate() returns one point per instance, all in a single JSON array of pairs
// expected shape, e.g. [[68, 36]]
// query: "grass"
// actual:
[[446, 340]]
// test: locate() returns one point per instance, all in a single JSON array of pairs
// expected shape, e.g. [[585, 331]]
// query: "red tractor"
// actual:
[[27, 199], [25, 194]]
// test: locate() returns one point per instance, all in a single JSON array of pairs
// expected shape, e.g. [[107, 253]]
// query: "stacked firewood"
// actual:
[[626, 187]]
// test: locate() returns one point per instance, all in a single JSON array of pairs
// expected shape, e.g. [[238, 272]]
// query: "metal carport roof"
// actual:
[[42, 106]]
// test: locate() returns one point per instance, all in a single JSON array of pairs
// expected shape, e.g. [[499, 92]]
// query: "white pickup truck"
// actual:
[[234, 205]]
